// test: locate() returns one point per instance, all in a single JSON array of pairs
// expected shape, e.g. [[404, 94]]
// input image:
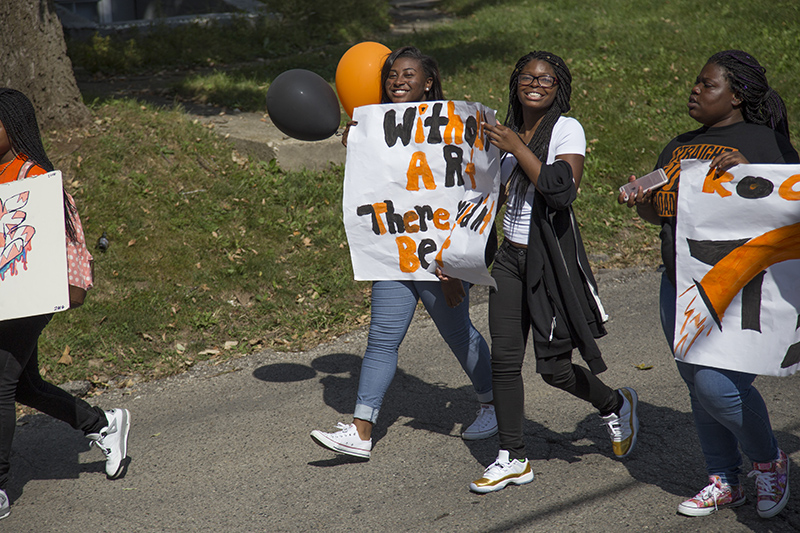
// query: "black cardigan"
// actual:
[[556, 255]]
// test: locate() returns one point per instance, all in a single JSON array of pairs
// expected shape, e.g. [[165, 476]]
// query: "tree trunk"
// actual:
[[33, 59]]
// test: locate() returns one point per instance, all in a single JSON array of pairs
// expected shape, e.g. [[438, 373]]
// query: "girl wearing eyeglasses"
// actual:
[[544, 282]]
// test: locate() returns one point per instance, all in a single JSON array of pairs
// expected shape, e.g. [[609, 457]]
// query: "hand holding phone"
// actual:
[[648, 182]]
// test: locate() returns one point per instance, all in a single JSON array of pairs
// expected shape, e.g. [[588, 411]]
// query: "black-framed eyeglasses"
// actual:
[[545, 81]]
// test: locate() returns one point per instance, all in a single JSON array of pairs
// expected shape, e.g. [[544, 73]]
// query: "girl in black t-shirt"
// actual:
[[744, 121]]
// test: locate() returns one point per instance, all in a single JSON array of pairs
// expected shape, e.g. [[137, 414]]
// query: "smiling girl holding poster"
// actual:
[[544, 282], [743, 121], [410, 76]]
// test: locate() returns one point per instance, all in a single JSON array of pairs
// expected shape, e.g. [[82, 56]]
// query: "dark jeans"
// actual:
[[20, 381], [509, 324]]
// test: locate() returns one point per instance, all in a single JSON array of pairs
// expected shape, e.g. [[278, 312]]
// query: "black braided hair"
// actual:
[[428, 65], [540, 142], [760, 103], [19, 120]]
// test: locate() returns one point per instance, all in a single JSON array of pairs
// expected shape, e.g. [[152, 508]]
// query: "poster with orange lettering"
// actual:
[[420, 191], [738, 268]]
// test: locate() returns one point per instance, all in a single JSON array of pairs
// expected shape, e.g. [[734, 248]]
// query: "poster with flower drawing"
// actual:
[[33, 256]]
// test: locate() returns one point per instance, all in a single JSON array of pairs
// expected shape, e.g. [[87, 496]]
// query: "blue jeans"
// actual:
[[393, 306], [728, 411]]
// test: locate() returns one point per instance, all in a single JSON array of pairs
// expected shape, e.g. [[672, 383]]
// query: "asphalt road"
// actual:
[[227, 447]]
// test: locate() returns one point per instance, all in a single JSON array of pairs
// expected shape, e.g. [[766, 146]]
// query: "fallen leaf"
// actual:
[[643, 366], [66, 359]]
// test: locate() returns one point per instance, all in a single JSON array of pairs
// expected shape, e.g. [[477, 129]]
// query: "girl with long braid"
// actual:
[[544, 282], [22, 155], [743, 121]]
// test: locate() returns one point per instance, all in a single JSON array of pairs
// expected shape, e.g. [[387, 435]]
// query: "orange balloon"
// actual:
[[358, 75]]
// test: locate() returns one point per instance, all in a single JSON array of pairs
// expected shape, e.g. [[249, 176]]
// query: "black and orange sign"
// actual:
[[421, 187]]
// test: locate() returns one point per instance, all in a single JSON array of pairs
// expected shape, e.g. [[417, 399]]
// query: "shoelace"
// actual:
[[99, 443], [342, 426], [106, 450], [614, 428], [497, 465], [712, 491], [484, 414], [765, 482]]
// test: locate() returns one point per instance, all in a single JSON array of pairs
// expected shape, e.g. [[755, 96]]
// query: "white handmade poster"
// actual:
[[738, 268], [33, 251], [420, 191]]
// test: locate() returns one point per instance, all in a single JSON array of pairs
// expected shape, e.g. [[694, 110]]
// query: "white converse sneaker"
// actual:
[[484, 426], [624, 428], [345, 441], [501, 473], [113, 440]]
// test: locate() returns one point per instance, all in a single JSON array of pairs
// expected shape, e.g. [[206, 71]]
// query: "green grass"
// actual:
[[209, 248]]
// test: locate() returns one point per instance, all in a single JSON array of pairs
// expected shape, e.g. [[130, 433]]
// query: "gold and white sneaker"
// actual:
[[502, 472], [624, 428]]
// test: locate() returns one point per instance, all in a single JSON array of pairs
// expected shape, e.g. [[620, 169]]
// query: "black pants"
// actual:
[[510, 322], [20, 381]]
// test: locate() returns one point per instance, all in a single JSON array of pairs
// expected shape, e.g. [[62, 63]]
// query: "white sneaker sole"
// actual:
[[125, 427], [323, 440]]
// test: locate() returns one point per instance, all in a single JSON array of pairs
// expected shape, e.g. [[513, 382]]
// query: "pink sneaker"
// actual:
[[772, 485], [715, 496]]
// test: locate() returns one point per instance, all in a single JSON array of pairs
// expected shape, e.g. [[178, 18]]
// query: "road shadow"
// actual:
[[47, 448], [429, 406], [667, 453]]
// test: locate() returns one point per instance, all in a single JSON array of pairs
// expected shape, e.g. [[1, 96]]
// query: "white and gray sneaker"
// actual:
[[484, 426], [5, 506], [113, 440], [502, 472], [346, 441]]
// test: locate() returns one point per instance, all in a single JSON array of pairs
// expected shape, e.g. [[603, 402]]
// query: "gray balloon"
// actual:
[[302, 105]]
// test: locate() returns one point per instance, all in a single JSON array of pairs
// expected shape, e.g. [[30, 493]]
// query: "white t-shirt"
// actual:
[[567, 138]]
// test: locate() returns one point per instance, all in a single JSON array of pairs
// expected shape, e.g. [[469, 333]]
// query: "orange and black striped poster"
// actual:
[[420, 191], [738, 268]]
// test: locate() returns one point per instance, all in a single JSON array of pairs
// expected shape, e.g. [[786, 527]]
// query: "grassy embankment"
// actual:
[[213, 254]]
